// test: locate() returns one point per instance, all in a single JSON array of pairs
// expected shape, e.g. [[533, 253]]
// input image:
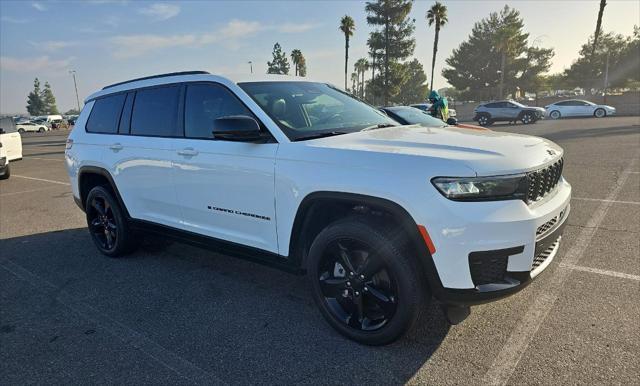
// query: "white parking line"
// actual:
[[26, 191], [42, 179], [601, 271], [508, 358], [128, 336], [603, 200]]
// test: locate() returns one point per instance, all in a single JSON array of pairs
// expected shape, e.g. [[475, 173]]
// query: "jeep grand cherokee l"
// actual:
[[381, 217]]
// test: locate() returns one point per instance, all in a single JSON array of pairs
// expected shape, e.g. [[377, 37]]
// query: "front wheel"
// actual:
[[555, 114], [21, 131], [528, 118], [41, 130], [600, 113], [107, 224], [366, 285]]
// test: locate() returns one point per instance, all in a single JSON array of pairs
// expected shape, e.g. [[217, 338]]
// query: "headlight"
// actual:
[[510, 187]]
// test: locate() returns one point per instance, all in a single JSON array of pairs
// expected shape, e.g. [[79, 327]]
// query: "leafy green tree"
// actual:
[[347, 26], [436, 15], [35, 105], [495, 57], [280, 63], [414, 87], [302, 66], [48, 100], [588, 71], [393, 40]]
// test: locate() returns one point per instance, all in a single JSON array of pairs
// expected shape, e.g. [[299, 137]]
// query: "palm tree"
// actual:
[[347, 26], [361, 66], [437, 15], [296, 58], [603, 3], [354, 85]]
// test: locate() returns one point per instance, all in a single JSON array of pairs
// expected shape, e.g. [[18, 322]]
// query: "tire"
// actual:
[[21, 131], [484, 120], [555, 114], [41, 130], [600, 113], [7, 172], [107, 223], [381, 305], [528, 118]]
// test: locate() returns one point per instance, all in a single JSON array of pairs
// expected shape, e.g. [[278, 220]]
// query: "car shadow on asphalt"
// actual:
[[242, 322], [593, 132]]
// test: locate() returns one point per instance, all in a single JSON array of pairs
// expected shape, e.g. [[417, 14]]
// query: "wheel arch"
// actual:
[[313, 215], [90, 176]]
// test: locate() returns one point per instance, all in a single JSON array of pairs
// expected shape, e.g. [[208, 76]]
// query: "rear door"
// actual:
[[10, 139], [226, 189], [140, 151]]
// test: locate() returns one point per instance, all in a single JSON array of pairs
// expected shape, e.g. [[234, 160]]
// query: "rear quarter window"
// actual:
[[105, 114], [155, 112]]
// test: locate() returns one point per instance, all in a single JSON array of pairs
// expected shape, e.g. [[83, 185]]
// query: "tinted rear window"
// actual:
[[105, 114], [155, 111]]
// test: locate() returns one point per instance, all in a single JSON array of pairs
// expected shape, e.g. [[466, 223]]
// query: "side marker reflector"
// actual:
[[427, 239]]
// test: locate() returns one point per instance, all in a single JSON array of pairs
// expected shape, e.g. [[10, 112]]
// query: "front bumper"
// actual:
[[516, 241]]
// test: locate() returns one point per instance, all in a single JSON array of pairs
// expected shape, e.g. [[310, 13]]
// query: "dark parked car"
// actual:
[[507, 111], [408, 115]]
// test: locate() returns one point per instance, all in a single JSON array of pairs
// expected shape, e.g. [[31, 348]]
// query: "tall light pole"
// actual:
[[75, 85], [250, 66]]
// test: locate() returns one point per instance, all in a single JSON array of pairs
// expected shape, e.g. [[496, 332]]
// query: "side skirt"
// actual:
[[220, 246]]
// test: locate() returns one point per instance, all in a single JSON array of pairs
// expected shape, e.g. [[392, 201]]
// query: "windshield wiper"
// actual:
[[378, 126], [320, 135]]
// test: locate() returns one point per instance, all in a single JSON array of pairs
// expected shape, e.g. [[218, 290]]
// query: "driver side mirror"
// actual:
[[452, 121], [239, 128]]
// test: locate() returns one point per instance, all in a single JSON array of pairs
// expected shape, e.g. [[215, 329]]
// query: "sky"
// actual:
[[107, 41]]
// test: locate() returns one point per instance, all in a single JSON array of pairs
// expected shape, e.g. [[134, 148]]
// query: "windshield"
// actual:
[[414, 116], [307, 109]]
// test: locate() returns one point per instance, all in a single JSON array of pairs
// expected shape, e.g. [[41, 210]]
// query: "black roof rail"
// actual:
[[158, 76]]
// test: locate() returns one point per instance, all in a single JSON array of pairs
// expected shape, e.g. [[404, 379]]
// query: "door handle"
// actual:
[[188, 152], [116, 147]]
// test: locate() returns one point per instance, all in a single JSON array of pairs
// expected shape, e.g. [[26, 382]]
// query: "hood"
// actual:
[[484, 151], [535, 108]]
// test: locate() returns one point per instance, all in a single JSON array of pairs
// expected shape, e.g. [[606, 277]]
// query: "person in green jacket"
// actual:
[[439, 106]]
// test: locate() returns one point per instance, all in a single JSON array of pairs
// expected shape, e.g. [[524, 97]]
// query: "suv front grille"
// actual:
[[541, 182]]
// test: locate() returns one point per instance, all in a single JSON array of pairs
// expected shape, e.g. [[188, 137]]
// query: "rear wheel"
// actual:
[[365, 284], [21, 131], [107, 224], [484, 120], [599, 113], [41, 130], [555, 114]]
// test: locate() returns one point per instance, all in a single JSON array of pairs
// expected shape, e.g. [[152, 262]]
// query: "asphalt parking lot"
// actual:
[[173, 313]]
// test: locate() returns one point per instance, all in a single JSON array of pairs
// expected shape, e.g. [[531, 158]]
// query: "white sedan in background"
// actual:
[[578, 108], [31, 126]]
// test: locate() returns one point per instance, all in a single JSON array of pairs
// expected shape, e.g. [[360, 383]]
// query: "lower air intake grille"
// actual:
[[542, 256]]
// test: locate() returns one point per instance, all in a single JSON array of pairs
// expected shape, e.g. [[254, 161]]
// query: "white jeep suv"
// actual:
[[300, 175]]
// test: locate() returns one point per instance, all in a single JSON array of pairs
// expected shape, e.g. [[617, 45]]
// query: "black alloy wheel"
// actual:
[[107, 224], [364, 281], [358, 288], [527, 118], [484, 120], [102, 223]]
